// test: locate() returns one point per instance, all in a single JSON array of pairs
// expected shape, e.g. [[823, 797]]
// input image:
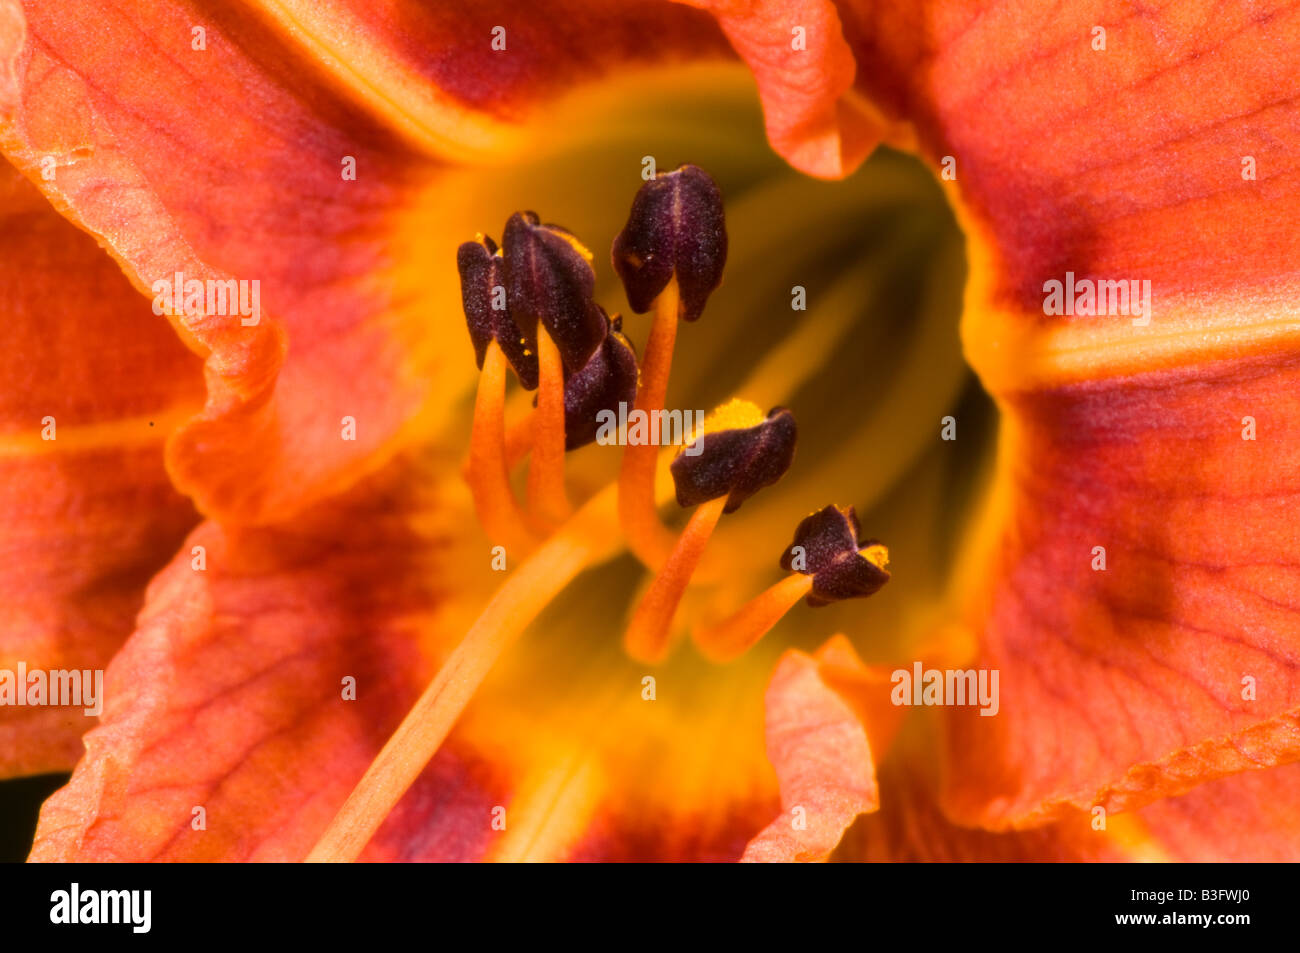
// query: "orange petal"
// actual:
[[245, 146], [866, 689], [1117, 163], [157, 153], [88, 513], [818, 745], [1246, 817]]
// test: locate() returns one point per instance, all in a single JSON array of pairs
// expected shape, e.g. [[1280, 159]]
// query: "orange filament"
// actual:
[[487, 475], [546, 496], [647, 537], [739, 632], [519, 439], [648, 635], [584, 540]]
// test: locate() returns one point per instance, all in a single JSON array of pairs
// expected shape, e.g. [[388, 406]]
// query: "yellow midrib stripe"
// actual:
[[437, 124], [122, 432], [551, 813]]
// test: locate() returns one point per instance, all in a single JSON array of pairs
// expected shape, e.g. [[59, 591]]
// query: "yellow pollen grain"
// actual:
[[735, 414], [876, 554]]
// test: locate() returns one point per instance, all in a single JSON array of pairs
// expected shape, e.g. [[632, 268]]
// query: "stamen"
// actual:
[[738, 633], [670, 257], [546, 495], [731, 460], [593, 395], [606, 381], [829, 564], [549, 282], [647, 537], [487, 313], [487, 473], [583, 540], [531, 299], [649, 634], [519, 439]]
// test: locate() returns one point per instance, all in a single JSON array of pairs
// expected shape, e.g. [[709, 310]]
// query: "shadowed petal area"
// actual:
[[231, 145], [460, 76], [88, 512], [591, 757], [583, 763], [911, 828], [1175, 663], [1243, 818]]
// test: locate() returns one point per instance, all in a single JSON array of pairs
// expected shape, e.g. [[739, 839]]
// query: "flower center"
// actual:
[[828, 305]]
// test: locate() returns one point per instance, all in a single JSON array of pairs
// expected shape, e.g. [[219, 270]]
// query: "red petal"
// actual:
[[1176, 664], [1117, 163], [88, 515], [230, 694]]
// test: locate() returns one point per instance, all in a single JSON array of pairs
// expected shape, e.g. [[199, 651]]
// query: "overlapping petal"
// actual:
[[821, 710], [912, 828], [91, 383], [1243, 818], [1117, 162], [461, 78], [805, 72]]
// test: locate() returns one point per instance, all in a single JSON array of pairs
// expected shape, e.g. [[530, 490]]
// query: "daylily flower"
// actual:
[[259, 522]]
